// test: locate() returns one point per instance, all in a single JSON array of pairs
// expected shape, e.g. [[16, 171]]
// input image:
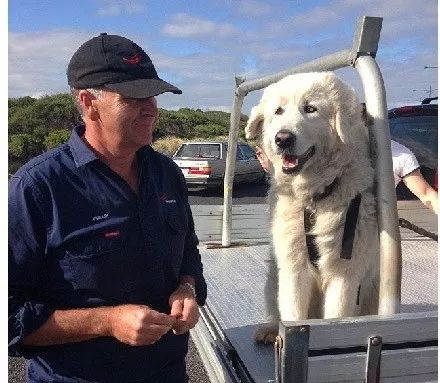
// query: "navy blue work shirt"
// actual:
[[80, 237]]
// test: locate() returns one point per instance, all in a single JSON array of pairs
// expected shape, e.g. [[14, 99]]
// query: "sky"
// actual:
[[201, 45]]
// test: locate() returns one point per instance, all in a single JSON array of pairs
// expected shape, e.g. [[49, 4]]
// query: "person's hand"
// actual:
[[138, 325], [184, 308]]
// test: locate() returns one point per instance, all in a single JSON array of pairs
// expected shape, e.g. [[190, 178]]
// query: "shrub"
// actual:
[[56, 138], [167, 145]]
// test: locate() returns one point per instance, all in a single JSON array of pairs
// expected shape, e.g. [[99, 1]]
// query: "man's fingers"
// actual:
[[161, 318], [190, 310], [189, 317], [177, 308]]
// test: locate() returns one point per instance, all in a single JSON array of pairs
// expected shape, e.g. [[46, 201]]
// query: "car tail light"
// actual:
[[405, 110], [202, 170]]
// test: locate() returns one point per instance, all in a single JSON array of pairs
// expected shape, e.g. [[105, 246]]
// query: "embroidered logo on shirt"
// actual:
[[163, 198], [100, 217]]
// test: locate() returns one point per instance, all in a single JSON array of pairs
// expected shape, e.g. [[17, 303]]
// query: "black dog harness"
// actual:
[[351, 219]]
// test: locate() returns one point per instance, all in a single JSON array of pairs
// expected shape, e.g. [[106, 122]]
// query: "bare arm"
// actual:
[[421, 189], [130, 324]]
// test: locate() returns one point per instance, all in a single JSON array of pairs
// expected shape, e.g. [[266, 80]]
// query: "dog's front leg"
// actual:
[[295, 279], [267, 332], [296, 286], [340, 297]]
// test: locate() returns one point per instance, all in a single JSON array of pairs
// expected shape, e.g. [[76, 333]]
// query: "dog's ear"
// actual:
[[254, 125], [348, 113]]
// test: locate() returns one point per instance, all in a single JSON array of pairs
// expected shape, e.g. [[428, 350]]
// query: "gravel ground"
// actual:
[[196, 372]]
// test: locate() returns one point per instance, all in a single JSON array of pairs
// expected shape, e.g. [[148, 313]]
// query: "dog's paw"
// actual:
[[266, 333]]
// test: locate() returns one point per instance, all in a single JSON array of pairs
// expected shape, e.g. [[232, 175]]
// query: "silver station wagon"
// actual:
[[204, 163]]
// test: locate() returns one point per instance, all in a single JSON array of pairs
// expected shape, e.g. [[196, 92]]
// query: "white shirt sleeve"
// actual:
[[404, 161]]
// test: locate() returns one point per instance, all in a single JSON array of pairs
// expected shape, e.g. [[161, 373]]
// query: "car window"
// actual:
[[418, 133], [199, 151], [248, 152], [239, 155]]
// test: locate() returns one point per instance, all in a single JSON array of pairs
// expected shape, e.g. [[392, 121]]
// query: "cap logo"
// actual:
[[135, 59]]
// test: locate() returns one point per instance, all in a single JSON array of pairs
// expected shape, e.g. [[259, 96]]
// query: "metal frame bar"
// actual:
[[361, 56], [294, 353], [388, 220], [298, 338]]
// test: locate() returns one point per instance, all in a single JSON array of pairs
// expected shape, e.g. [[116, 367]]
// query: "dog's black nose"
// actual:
[[284, 139]]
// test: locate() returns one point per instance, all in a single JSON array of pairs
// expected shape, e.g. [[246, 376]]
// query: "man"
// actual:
[[105, 277], [405, 168]]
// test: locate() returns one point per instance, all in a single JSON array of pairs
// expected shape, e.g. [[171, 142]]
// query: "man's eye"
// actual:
[[279, 111], [310, 108]]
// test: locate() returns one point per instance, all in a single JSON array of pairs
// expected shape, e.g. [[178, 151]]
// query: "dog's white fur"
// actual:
[[339, 135]]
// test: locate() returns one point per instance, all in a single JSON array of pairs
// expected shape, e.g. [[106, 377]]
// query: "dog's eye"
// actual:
[[280, 110], [310, 108]]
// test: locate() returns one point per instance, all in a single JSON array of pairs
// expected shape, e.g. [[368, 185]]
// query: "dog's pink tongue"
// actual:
[[290, 161]]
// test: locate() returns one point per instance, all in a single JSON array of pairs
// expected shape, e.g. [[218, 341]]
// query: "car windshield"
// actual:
[[419, 133], [199, 151]]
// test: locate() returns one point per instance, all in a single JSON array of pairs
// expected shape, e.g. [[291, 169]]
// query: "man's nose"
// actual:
[[284, 138]]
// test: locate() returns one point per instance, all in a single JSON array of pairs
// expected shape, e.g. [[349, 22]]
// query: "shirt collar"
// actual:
[[82, 154]]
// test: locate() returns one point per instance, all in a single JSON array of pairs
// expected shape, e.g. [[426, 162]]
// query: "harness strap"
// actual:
[[312, 247], [351, 219]]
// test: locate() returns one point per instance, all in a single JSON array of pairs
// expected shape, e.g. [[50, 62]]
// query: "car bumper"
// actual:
[[203, 182]]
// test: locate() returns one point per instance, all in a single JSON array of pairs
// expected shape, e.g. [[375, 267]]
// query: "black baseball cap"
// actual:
[[118, 64]]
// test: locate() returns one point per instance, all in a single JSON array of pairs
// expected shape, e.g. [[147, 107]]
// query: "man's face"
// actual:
[[128, 122]]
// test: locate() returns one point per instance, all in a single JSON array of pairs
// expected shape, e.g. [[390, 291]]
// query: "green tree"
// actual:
[[56, 138]]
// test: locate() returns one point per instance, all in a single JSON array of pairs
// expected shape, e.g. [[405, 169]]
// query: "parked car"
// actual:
[[204, 163], [416, 127]]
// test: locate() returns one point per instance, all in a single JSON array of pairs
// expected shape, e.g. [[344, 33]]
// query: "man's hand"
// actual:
[[138, 325], [184, 308]]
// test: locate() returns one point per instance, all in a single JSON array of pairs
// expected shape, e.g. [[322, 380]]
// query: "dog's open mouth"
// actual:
[[293, 164]]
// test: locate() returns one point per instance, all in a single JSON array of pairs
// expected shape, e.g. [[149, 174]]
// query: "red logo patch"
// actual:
[[112, 234], [135, 59], [162, 197]]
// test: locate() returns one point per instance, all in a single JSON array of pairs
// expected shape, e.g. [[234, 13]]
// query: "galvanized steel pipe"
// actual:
[[390, 249]]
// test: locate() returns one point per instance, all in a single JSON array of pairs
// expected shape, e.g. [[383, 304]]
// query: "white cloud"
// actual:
[[254, 8], [183, 25], [117, 8], [38, 61]]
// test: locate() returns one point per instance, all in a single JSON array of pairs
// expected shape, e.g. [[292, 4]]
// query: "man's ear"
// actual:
[[254, 125], [87, 101]]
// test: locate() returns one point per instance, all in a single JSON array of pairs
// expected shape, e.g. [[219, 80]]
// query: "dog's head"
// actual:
[[305, 119]]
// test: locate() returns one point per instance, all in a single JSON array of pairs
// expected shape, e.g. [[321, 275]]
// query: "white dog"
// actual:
[[323, 212]]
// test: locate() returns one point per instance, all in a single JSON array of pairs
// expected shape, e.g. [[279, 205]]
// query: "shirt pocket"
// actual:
[[99, 265]]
